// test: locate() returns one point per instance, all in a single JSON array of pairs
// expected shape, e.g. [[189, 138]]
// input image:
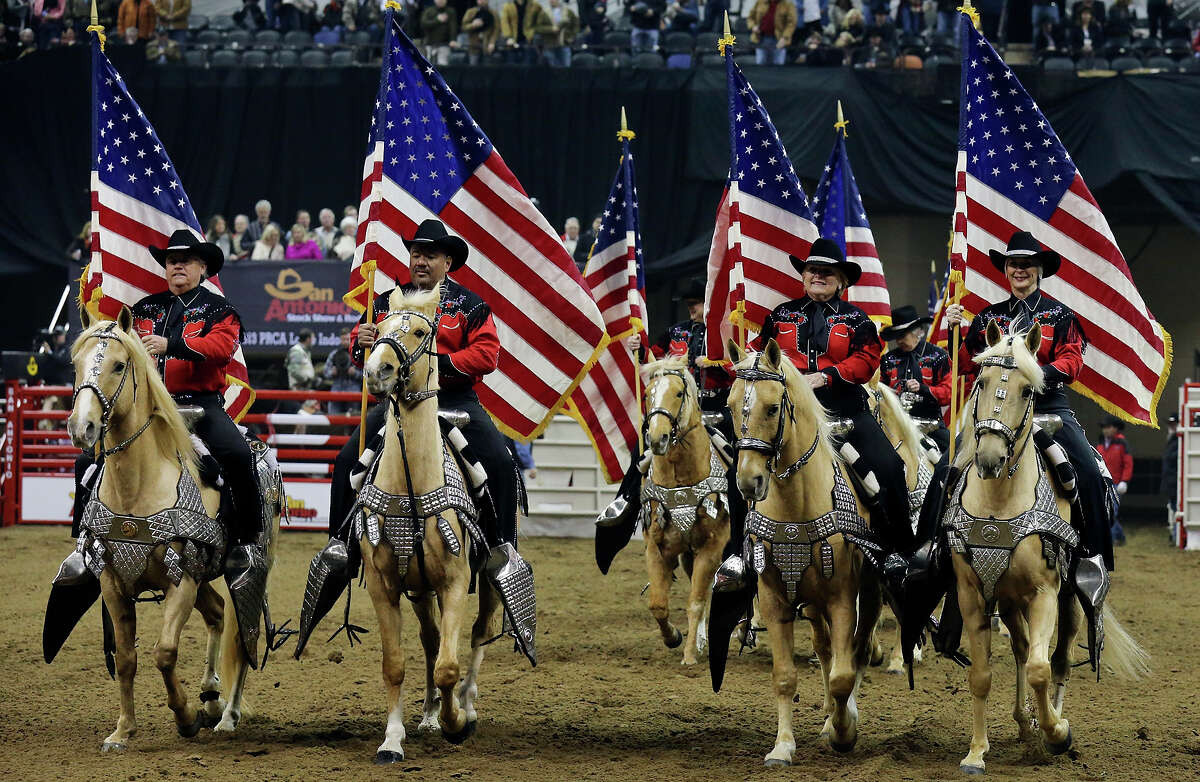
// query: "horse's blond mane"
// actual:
[[173, 439], [1014, 345], [425, 302], [803, 398], [671, 363], [900, 422]]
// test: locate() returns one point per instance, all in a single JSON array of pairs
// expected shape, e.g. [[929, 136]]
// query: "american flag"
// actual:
[[427, 158], [137, 201], [764, 217], [840, 215], [607, 403], [1014, 174]]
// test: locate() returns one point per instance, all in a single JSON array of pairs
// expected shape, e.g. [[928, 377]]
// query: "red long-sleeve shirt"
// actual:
[[202, 330], [467, 344], [929, 365], [1117, 458]]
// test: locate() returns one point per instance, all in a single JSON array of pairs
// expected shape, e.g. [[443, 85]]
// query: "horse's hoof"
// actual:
[[675, 641], [1062, 746], [113, 746], [842, 748], [776, 763], [467, 732], [202, 721], [386, 757], [970, 771], [428, 725], [225, 726]]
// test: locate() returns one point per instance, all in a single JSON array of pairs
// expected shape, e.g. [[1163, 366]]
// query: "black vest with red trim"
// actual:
[[202, 330]]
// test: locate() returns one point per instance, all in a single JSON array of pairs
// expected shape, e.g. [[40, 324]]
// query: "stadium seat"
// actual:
[[1190, 65], [739, 25], [267, 39], [197, 22], [623, 25], [711, 60], [459, 57], [221, 23], [1177, 48], [616, 60], [223, 58], [706, 43], [254, 58], [1159, 61], [314, 58], [678, 42], [1148, 46], [584, 60], [647, 60], [1091, 64], [1062, 64], [343, 58], [615, 40], [1126, 63], [935, 60], [236, 39], [680, 60], [209, 38], [907, 62], [297, 39], [194, 57], [359, 38], [328, 38], [286, 58]]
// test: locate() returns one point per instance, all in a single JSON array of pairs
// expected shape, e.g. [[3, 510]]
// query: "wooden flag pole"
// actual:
[[956, 283], [362, 412]]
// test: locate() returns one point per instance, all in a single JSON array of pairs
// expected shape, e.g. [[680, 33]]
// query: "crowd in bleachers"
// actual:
[[1067, 34], [261, 238]]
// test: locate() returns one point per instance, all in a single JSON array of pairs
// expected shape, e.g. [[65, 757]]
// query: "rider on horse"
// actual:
[[919, 369], [837, 348], [468, 348], [193, 333]]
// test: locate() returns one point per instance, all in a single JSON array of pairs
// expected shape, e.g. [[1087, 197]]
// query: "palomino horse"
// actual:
[[684, 510], [168, 538], [809, 538], [1012, 544], [906, 438], [421, 547]]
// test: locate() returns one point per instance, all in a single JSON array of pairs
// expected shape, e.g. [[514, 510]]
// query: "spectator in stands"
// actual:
[[326, 232], [68, 36], [262, 210], [877, 53], [342, 374], [570, 236], [522, 24], [350, 210], [162, 49], [884, 24], [912, 18], [330, 18], [1196, 42], [947, 16], [26, 42], [295, 14], [439, 28], [219, 235], [268, 247], [646, 18], [682, 16], [302, 246], [837, 10], [851, 34], [1159, 13], [1048, 41], [8, 47], [714, 16], [343, 246], [1120, 19], [250, 17], [46, 18], [479, 23], [1086, 37], [1045, 9], [564, 29], [364, 15], [1095, 6], [1119, 461], [173, 14], [303, 218], [77, 14], [1169, 485], [80, 248], [240, 242], [140, 14], [130, 40], [523, 456], [298, 362], [772, 25]]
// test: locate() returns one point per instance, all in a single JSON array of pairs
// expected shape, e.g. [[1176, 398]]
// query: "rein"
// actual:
[[995, 425], [754, 374], [676, 435], [107, 403], [407, 359]]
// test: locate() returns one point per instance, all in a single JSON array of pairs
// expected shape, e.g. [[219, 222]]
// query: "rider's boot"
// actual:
[[246, 575]]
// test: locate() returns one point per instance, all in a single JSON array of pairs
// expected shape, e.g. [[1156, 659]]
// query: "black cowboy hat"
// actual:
[[433, 233], [185, 242], [903, 320], [693, 292], [1112, 420], [825, 252], [1023, 245]]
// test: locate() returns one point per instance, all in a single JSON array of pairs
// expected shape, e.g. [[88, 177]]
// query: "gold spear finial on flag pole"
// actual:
[[726, 39], [970, 11], [841, 123], [95, 27], [625, 134]]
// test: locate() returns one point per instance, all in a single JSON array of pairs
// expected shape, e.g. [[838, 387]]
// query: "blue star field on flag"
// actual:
[[620, 213], [836, 203], [129, 157]]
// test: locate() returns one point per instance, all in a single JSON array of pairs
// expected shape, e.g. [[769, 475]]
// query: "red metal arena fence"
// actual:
[[37, 480]]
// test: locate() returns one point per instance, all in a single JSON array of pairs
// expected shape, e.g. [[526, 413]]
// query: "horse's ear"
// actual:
[[994, 334], [85, 317], [125, 320], [1033, 338], [394, 299], [772, 353], [735, 352]]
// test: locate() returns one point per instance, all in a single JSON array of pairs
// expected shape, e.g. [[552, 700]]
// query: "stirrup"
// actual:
[[731, 575], [246, 575], [1091, 581], [73, 570], [328, 577]]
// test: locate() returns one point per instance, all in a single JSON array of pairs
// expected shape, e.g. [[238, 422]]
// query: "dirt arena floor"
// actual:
[[607, 700]]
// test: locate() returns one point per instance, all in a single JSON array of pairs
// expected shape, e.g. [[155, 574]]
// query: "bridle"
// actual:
[[407, 360], [994, 425], [755, 374], [676, 435], [108, 403]]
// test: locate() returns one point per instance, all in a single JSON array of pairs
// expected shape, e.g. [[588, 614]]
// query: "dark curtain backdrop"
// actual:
[[297, 138]]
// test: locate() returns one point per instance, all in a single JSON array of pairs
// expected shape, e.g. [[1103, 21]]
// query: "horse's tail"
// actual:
[[1123, 654]]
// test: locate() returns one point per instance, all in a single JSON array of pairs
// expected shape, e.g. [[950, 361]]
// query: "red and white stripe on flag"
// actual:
[[870, 293], [550, 330]]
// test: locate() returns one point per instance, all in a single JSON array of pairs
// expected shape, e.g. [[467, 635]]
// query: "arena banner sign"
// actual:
[[277, 299]]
